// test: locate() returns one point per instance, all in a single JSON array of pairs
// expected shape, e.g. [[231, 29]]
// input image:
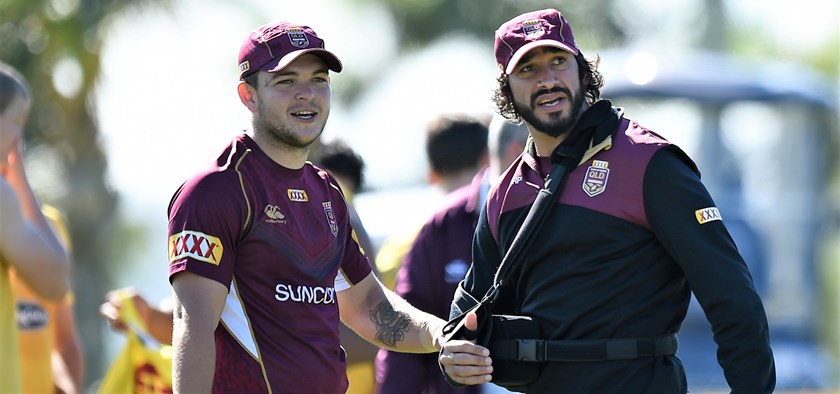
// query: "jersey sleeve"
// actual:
[[684, 218], [354, 265], [207, 217]]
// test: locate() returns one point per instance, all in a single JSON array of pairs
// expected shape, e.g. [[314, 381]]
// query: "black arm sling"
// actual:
[[568, 159], [514, 375]]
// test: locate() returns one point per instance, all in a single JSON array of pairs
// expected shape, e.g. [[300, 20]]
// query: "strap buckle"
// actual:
[[530, 350]]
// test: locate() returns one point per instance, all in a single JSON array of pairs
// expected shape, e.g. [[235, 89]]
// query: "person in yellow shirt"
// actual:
[[27, 243], [157, 319], [49, 345]]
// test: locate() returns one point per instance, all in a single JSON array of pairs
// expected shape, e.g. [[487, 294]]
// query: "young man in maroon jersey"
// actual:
[[262, 257]]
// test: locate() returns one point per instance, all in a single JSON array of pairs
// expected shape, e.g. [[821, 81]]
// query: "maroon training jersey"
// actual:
[[281, 241]]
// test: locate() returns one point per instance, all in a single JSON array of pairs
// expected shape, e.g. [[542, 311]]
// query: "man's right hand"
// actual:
[[464, 361]]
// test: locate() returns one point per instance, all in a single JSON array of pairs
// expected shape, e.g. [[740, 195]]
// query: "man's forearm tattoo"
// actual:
[[391, 325]]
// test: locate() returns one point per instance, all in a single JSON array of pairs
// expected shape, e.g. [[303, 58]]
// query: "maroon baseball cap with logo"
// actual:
[[530, 30], [273, 46]]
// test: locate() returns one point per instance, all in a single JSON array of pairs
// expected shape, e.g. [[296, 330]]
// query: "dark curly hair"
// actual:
[[589, 76]]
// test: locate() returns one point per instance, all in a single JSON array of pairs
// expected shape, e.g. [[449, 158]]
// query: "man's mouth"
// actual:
[[549, 102], [304, 114]]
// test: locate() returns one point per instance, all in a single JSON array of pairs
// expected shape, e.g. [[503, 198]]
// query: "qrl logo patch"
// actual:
[[532, 29], [596, 178], [194, 244], [298, 38], [330, 218], [707, 215]]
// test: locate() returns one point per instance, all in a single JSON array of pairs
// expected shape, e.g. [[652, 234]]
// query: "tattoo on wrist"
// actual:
[[391, 325]]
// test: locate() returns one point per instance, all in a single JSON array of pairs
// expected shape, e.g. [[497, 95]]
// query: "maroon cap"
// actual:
[[530, 30], [273, 46]]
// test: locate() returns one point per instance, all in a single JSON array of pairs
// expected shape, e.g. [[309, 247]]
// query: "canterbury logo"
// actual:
[[274, 214], [196, 245], [706, 215]]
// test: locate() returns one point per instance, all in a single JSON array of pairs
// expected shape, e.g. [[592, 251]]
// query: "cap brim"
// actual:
[[517, 56], [331, 60]]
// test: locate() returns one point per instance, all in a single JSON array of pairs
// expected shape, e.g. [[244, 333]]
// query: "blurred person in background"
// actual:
[[28, 245], [263, 259], [456, 149], [439, 259], [348, 169], [631, 233], [157, 318], [49, 342]]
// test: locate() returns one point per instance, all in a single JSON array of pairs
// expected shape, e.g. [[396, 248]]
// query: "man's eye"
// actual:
[[284, 82], [319, 79]]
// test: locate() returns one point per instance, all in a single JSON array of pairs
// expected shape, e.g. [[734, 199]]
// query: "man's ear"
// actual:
[[247, 95], [433, 178]]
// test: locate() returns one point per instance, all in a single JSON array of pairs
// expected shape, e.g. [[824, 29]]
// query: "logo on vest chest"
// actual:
[[595, 181]]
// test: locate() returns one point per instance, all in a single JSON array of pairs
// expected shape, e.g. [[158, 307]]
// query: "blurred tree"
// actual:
[[56, 45], [421, 22]]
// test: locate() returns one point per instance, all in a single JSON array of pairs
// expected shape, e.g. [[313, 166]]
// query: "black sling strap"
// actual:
[[565, 157], [584, 349]]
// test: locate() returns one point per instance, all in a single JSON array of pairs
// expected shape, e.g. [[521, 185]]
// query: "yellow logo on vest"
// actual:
[[707, 215], [595, 181]]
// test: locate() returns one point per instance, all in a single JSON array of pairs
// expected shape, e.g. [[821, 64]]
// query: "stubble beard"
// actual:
[[279, 132], [557, 124]]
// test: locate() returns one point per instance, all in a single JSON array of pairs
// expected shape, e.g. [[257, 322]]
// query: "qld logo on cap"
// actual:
[[298, 37], [533, 28]]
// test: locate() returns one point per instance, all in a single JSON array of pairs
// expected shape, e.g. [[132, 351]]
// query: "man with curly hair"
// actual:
[[630, 235]]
